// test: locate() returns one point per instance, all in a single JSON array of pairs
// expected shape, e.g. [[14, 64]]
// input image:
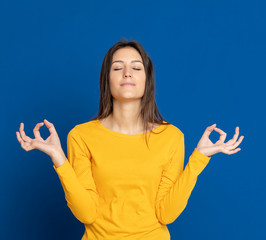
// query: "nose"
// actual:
[[127, 73]]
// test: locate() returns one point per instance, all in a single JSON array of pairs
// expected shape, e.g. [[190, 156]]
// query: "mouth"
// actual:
[[127, 84]]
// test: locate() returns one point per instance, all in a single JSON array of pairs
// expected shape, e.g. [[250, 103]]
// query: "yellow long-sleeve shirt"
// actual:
[[119, 188]]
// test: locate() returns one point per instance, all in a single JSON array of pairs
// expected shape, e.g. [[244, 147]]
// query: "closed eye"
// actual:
[[116, 69]]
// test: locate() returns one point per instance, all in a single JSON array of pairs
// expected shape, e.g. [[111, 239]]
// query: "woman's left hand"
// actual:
[[206, 146]]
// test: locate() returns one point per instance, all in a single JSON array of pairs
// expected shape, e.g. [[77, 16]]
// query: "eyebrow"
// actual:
[[131, 61]]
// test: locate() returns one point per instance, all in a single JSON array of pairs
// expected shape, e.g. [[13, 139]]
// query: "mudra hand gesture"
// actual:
[[50, 146], [206, 146]]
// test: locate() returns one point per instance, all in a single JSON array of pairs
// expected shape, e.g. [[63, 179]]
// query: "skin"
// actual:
[[126, 106], [51, 146], [208, 148], [126, 99]]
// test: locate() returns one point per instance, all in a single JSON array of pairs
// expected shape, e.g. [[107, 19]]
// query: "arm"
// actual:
[[76, 178], [176, 185]]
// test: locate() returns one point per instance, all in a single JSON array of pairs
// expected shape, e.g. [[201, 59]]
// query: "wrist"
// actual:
[[202, 151], [58, 158]]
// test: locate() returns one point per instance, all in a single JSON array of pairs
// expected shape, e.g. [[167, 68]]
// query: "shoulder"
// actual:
[[176, 138], [174, 130], [82, 128]]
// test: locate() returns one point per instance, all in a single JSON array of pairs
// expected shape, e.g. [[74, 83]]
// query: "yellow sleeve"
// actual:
[[176, 185], [76, 178]]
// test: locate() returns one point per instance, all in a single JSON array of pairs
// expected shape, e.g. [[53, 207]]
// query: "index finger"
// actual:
[[50, 127], [222, 133]]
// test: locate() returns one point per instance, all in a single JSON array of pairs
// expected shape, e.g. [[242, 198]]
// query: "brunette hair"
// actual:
[[149, 110]]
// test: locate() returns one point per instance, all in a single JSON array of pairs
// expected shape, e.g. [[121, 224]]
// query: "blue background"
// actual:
[[209, 59]]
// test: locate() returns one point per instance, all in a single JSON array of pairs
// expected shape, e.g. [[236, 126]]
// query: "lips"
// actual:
[[128, 83]]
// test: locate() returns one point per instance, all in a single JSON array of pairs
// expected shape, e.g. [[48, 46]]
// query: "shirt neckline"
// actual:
[[99, 124]]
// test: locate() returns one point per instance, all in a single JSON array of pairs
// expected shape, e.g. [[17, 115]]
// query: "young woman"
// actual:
[[118, 182]]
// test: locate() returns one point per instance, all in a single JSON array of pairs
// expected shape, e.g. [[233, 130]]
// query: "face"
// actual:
[[127, 67]]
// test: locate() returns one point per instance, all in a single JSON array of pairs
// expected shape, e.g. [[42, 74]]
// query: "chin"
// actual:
[[127, 98]]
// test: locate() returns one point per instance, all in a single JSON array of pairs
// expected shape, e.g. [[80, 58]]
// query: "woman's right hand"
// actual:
[[50, 146]]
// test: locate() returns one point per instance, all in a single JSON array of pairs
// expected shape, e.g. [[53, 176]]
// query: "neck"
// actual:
[[125, 117]]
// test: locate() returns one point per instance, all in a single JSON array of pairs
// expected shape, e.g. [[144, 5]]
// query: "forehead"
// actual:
[[126, 54]]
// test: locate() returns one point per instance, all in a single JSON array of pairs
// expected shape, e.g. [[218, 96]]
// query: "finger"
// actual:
[[209, 130], [233, 146], [229, 152], [36, 130], [23, 144], [19, 138], [222, 134], [23, 135], [233, 140], [238, 142], [50, 127]]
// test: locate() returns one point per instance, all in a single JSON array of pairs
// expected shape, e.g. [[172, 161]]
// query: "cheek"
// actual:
[[114, 82], [114, 77], [142, 80], [141, 83]]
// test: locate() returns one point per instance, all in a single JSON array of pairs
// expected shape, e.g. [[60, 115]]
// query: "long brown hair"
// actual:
[[149, 110]]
